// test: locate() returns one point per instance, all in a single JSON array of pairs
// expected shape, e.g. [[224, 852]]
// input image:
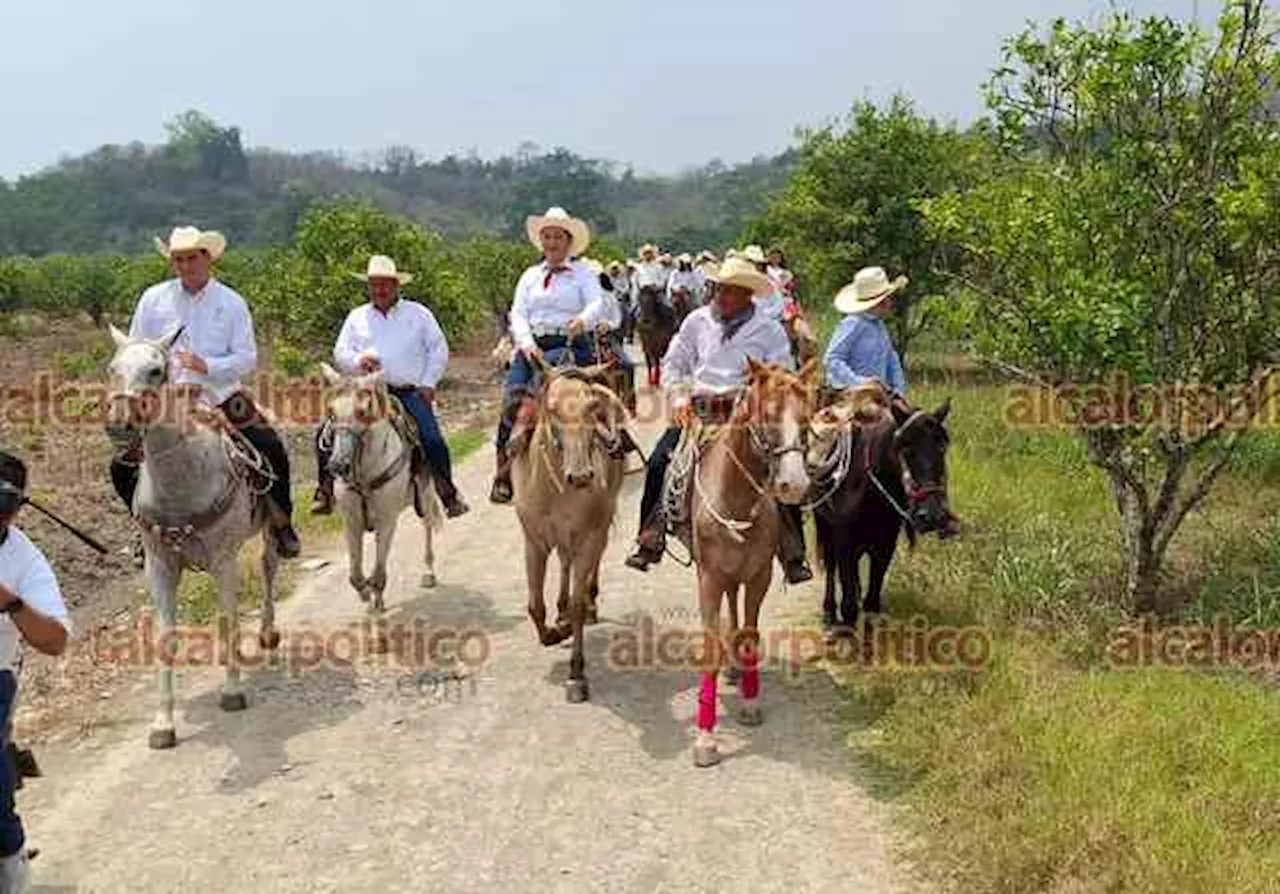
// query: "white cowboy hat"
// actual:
[[740, 272], [579, 232], [593, 265], [615, 266], [382, 267], [192, 239], [754, 253], [870, 286], [685, 258]]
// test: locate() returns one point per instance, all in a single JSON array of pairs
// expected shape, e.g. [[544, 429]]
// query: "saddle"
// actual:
[[834, 429], [711, 415], [407, 428]]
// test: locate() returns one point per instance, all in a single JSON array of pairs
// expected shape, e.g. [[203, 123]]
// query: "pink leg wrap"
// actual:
[[707, 703], [750, 675]]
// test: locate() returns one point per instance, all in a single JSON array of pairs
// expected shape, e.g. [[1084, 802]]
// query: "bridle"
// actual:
[[916, 493], [362, 434]]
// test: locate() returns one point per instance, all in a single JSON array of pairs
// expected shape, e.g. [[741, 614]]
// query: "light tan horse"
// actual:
[[747, 468], [565, 485]]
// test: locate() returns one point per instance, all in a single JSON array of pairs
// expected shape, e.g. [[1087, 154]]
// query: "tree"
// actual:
[[851, 203], [1130, 237]]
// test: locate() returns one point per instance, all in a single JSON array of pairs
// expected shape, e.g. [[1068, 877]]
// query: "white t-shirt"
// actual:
[[25, 571]]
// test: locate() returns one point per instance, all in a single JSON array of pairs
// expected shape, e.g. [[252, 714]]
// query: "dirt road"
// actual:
[[376, 778]]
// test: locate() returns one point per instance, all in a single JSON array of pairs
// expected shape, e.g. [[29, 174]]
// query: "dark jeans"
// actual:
[[522, 379], [12, 837], [435, 448], [791, 541], [242, 413]]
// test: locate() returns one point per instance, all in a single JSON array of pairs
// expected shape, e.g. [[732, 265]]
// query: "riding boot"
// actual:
[[791, 545], [650, 546], [322, 501], [501, 492]]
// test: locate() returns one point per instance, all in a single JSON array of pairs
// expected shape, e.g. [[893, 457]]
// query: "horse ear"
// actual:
[[941, 413], [166, 342], [331, 375], [117, 336]]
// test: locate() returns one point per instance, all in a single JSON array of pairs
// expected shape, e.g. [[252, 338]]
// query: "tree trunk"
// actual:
[[1143, 561]]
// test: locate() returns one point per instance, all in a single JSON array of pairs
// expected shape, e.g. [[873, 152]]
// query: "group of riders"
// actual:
[[566, 309]]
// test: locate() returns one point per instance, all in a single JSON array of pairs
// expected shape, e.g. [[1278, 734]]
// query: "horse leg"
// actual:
[[383, 538], [535, 568], [268, 636], [426, 488], [566, 582], [593, 608], [881, 555], [355, 556], [583, 565], [848, 559], [747, 644], [830, 565], [733, 670], [710, 593], [163, 578], [232, 697]]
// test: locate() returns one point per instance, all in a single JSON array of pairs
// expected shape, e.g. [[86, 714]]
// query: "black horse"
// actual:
[[887, 478]]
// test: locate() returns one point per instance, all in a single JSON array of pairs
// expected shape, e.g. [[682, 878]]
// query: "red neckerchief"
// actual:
[[552, 271]]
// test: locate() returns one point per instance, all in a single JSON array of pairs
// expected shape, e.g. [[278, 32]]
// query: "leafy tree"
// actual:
[[1132, 227], [851, 203]]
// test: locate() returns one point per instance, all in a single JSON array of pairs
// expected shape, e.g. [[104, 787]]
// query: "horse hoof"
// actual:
[[576, 691], [363, 594], [705, 755], [233, 701], [270, 640], [161, 739], [429, 579], [555, 636], [593, 616], [732, 675], [750, 715]]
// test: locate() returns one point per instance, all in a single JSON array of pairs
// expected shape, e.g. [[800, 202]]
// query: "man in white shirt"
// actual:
[[685, 285], [403, 339], [704, 371], [31, 610], [558, 303], [215, 350], [772, 302]]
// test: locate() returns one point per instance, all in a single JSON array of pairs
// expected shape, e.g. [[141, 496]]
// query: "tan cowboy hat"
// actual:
[[593, 265], [755, 254], [870, 286], [740, 272], [664, 259], [647, 249], [685, 258], [706, 255], [579, 232], [615, 266], [382, 267], [192, 239]]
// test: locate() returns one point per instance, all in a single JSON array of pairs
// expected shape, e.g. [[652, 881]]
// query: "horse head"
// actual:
[[779, 404], [139, 372], [582, 421], [920, 446], [360, 402]]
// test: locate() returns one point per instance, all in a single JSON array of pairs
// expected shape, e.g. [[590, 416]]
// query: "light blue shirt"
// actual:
[[860, 351]]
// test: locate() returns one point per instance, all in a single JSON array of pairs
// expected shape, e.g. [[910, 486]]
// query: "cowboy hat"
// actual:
[[870, 286], [192, 239], [615, 266], [593, 265], [647, 249], [740, 272], [382, 267], [579, 232], [685, 258], [755, 254], [706, 255]]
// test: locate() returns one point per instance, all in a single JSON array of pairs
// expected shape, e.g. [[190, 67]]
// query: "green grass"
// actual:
[[198, 592], [1049, 770]]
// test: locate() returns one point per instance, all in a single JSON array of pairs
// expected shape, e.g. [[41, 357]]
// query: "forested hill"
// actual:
[[118, 197]]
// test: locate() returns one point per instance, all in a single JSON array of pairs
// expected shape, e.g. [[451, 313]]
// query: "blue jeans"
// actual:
[[522, 379], [433, 442], [12, 838]]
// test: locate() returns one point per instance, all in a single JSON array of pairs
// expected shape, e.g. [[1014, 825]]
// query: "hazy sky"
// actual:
[[661, 84]]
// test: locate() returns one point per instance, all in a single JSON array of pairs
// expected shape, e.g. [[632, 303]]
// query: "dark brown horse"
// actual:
[[656, 325], [882, 476]]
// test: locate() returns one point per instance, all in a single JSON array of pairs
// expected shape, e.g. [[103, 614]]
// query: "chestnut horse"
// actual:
[[747, 467], [656, 325]]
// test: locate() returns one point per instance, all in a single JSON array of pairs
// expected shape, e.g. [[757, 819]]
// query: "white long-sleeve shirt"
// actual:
[[685, 279], [407, 340], [217, 328], [26, 572], [545, 302], [700, 361]]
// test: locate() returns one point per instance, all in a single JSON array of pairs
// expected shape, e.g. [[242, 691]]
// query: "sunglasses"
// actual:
[[11, 498]]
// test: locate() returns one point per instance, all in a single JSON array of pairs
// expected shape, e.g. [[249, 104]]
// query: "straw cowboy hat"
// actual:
[[382, 267], [754, 254], [615, 267], [593, 265], [579, 232], [685, 258], [706, 255], [192, 239], [870, 286], [740, 272]]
